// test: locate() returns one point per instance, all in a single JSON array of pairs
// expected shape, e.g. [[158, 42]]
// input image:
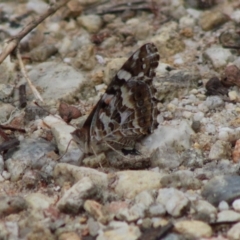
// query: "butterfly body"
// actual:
[[127, 110]]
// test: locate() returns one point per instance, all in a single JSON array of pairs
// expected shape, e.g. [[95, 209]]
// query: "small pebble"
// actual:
[[234, 232], [236, 205], [92, 23], [73, 199], [212, 19], [218, 56], [6, 175], [173, 200], [228, 216], [233, 95], [236, 152], [156, 210], [214, 102], [194, 229], [93, 227], [196, 125], [198, 116], [223, 206], [220, 149]]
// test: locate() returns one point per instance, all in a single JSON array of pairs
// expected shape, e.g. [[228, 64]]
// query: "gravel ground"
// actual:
[[186, 182]]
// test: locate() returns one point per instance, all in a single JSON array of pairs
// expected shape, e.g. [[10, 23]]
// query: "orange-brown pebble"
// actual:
[[236, 152], [69, 236], [231, 76]]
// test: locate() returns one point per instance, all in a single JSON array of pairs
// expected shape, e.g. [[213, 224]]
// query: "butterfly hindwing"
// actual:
[[127, 110]]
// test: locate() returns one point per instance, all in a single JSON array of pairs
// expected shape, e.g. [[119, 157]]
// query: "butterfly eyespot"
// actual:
[[140, 103]]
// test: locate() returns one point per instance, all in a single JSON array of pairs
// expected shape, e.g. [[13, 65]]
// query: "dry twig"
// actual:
[[14, 41], [24, 72]]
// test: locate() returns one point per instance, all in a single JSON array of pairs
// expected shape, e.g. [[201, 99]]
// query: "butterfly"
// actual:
[[127, 111]]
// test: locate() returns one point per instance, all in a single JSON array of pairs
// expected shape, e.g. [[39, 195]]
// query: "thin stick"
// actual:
[[24, 72], [14, 41]]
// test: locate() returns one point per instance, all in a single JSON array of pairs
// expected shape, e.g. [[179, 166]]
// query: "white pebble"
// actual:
[[223, 206], [6, 175], [223, 135], [235, 16], [233, 95], [194, 91], [218, 56], [193, 98], [178, 60], [229, 134], [202, 107], [67, 60], [198, 116], [210, 128], [213, 102], [236, 205], [187, 115], [186, 21], [100, 87], [175, 101], [171, 107]]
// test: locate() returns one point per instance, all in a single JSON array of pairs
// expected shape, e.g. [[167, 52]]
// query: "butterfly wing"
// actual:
[[127, 111]]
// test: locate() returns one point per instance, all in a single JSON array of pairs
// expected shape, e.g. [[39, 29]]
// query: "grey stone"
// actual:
[[205, 208], [184, 179], [222, 188], [59, 88], [30, 152], [214, 102], [93, 227]]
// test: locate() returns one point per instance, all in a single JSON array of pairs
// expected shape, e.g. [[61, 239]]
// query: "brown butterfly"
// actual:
[[127, 110]]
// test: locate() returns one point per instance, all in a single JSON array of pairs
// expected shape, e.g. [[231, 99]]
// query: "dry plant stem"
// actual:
[[24, 72], [14, 41]]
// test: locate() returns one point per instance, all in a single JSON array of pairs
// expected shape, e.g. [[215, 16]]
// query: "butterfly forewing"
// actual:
[[127, 110]]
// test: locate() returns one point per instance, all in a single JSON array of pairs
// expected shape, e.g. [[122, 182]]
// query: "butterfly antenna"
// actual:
[[65, 150]]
